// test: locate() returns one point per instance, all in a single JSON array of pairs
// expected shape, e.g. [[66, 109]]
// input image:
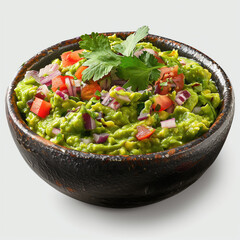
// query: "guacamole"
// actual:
[[119, 97]]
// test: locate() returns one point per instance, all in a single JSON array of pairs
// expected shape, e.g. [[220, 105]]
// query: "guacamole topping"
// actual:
[[119, 97]]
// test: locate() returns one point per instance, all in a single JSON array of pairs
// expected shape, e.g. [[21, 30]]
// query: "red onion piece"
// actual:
[[142, 116], [106, 100], [48, 80], [42, 91], [170, 123], [123, 98], [30, 102], [99, 117], [69, 86], [119, 88], [39, 94], [77, 83], [49, 69], [61, 94], [89, 122], [72, 110], [74, 90], [33, 74], [140, 52], [114, 104], [100, 138], [182, 96], [104, 94], [56, 131], [170, 109]]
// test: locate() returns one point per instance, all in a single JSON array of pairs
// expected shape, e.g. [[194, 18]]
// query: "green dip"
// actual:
[[66, 126]]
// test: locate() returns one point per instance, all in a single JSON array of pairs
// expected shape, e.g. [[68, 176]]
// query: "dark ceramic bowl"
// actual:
[[121, 181]]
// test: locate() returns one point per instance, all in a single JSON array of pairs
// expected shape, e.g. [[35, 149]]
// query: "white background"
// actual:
[[31, 209]]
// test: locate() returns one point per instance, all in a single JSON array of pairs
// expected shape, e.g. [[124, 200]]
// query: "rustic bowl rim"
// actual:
[[227, 106]]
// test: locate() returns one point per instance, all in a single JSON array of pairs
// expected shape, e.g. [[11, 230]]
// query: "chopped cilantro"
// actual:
[[163, 84], [97, 93], [158, 107], [76, 99], [59, 137], [140, 107]]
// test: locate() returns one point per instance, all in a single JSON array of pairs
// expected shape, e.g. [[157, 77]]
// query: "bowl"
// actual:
[[121, 181]]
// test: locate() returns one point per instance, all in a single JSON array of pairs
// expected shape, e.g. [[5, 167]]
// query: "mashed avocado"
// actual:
[[107, 116]]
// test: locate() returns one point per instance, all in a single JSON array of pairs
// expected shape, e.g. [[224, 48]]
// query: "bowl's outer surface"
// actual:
[[121, 181]]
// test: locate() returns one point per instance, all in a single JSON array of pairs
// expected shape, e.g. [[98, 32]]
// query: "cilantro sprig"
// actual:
[[100, 58], [127, 46], [138, 72]]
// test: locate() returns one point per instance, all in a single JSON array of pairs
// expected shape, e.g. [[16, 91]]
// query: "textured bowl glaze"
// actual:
[[121, 181]]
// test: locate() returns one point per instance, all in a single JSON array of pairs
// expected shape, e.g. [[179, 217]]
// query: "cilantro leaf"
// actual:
[[127, 46], [140, 72], [100, 58], [151, 61], [97, 93]]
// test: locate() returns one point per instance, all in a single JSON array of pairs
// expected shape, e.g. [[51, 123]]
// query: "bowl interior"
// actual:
[[46, 56]]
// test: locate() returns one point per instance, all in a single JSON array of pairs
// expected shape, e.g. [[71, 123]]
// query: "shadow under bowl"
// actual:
[[121, 181]]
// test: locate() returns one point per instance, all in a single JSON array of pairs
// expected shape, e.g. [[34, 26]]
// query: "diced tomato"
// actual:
[[179, 82], [163, 90], [40, 107], [58, 82], [173, 79], [161, 103], [78, 73], [65, 59], [159, 59], [144, 132], [70, 58], [89, 90], [74, 56], [168, 72]]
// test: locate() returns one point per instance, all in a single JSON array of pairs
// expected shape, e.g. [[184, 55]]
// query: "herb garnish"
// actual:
[[138, 72]]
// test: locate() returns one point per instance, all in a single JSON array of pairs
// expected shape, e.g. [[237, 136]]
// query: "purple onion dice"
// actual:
[[30, 102], [49, 69], [56, 131], [142, 116], [34, 74], [89, 122], [99, 117], [106, 99], [170, 123], [48, 79], [119, 88], [114, 104], [182, 96], [100, 138], [61, 94]]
